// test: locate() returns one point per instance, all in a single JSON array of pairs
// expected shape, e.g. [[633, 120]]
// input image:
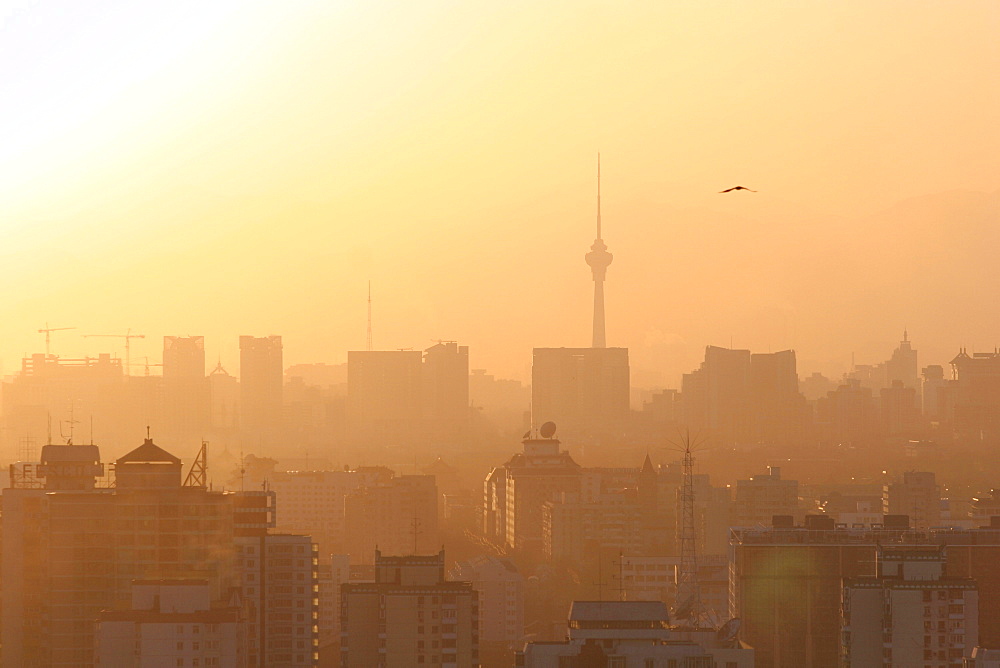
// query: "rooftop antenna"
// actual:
[[416, 524], [688, 601], [621, 576], [369, 316]]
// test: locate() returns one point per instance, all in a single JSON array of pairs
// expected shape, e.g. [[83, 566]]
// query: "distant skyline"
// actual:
[[241, 168]]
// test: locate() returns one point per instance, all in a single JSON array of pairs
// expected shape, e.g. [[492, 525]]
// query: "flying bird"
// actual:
[[729, 190]]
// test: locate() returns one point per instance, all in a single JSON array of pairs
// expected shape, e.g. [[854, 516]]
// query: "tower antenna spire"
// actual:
[[598, 194], [369, 344], [599, 258]]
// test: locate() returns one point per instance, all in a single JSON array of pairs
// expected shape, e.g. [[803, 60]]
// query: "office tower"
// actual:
[[409, 616], [72, 547], [501, 604], [398, 516], [261, 395], [972, 401], [630, 633], [910, 613], [900, 410], [170, 623], [279, 579], [778, 409], [847, 414], [786, 583], [185, 390], [917, 495], [902, 366], [384, 402], [763, 496], [583, 390], [516, 491], [224, 401], [445, 391], [599, 260], [717, 395], [933, 385]]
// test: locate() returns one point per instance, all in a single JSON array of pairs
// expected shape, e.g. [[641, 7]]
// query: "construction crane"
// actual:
[[146, 364], [128, 336], [48, 331]]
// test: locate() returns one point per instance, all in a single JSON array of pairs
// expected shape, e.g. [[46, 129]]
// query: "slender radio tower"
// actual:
[[599, 259], [369, 316]]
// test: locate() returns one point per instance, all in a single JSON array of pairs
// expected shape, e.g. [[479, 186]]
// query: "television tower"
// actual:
[[599, 258]]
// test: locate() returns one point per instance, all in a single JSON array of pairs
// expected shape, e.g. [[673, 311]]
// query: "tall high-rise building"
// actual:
[[501, 604], [445, 390], [185, 389], [384, 396], [72, 548], [279, 580], [599, 260], [261, 395], [717, 395], [910, 613], [902, 366], [409, 616], [583, 390]]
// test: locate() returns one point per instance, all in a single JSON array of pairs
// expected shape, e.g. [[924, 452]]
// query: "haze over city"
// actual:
[[499, 335], [234, 168]]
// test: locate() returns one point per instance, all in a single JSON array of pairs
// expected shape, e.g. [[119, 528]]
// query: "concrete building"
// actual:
[[573, 528], [786, 584], [409, 616], [917, 495], [170, 623], [445, 393], [763, 496], [261, 388], [279, 580], [629, 634], [398, 516], [910, 613], [72, 548], [313, 502], [224, 401], [583, 390], [187, 404], [501, 603], [515, 492]]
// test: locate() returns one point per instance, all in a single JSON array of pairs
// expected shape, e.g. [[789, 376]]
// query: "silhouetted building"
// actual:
[[717, 395], [445, 392], [384, 396], [933, 385], [501, 604], [900, 410], [398, 516], [409, 615], [261, 392], [187, 402], [584, 390], [224, 401], [847, 414], [916, 495], [778, 409], [902, 366], [763, 496], [972, 400]]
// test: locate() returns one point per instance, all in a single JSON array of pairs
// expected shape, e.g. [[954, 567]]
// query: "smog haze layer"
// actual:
[[246, 168]]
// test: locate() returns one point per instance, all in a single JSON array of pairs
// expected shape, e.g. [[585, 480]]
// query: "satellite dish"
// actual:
[[548, 430], [527, 434], [728, 630]]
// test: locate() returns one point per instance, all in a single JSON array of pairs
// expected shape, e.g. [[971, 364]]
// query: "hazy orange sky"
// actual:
[[230, 168]]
